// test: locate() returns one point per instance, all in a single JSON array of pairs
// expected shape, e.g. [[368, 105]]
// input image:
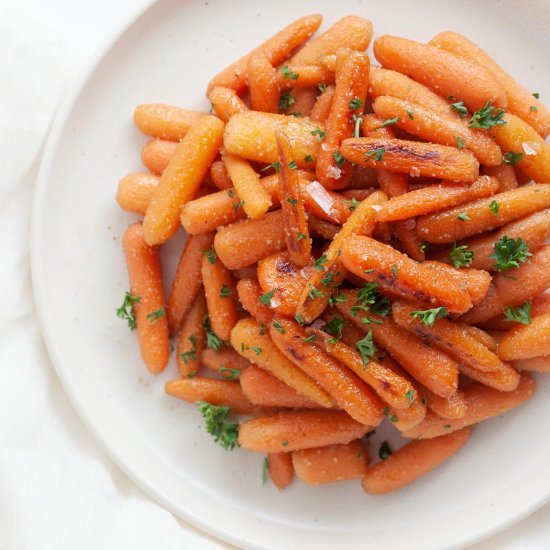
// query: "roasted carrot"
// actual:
[[219, 289], [412, 157], [322, 228], [145, 275], [249, 292], [181, 179], [300, 102], [482, 403], [527, 341], [413, 461], [165, 121], [505, 379], [252, 341], [410, 242], [135, 191], [444, 72], [225, 361], [280, 469], [480, 335], [331, 463], [276, 49], [451, 407], [191, 339], [262, 84], [293, 430], [220, 176], [322, 106], [533, 364], [540, 305], [302, 77], [505, 174], [225, 102], [477, 216], [187, 280], [156, 154]]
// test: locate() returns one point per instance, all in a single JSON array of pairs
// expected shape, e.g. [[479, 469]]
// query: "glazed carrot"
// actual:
[[449, 336], [225, 102], [446, 226], [505, 174], [300, 102], [444, 72], [452, 407], [540, 305], [219, 175], [534, 230], [245, 242], [410, 242], [284, 281], [276, 49], [431, 367], [412, 462], [434, 198], [480, 335], [530, 279], [265, 389], [216, 392], [518, 137], [225, 361], [191, 339], [322, 106], [245, 273], [533, 364], [350, 32], [352, 79], [505, 379], [384, 82], [145, 275], [401, 274], [187, 280], [520, 100], [247, 337], [325, 204], [262, 84], [280, 469], [181, 179], [346, 388], [251, 135], [135, 191], [293, 430], [303, 76], [328, 271], [219, 289], [438, 128], [391, 388], [298, 241], [331, 463], [482, 402], [254, 198], [322, 228], [156, 154], [420, 159], [165, 121], [527, 341], [249, 292]]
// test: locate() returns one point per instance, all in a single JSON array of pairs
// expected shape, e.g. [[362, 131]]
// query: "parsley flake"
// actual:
[[319, 133], [266, 298], [384, 452], [460, 256], [366, 348], [338, 158], [487, 117], [226, 433], [288, 73], [225, 291], [355, 103], [126, 312], [512, 158], [520, 315], [460, 108], [430, 316], [378, 154], [509, 253]]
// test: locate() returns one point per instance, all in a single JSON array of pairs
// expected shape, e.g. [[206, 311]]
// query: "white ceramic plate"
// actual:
[[167, 55]]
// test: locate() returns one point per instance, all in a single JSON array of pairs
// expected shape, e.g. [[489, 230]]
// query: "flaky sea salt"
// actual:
[[530, 149], [334, 172], [321, 196], [410, 224], [376, 207], [415, 172]]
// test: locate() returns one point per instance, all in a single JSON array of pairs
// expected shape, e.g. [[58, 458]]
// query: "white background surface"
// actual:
[[57, 488]]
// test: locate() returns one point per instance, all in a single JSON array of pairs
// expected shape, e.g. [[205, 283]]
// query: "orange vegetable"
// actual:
[[145, 274], [412, 157], [533, 364], [280, 469], [135, 191], [444, 72], [540, 305], [181, 179], [526, 341], [157, 153], [303, 76], [249, 292], [192, 339], [225, 102], [331, 463], [225, 361], [322, 106], [322, 228], [505, 174], [165, 121], [412, 462], [410, 242], [293, 430], [220, 176], [301, 101], [482, 403], [451, 407], [262, 84], [505, 379]]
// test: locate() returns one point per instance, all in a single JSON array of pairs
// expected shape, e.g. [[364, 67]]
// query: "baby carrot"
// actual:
[[300, 102], [157, 153], [192, 339], [249, 292], [322, 106], [322, 228], [262, 84], [144, 272], [220, 176], [451, 407], [526, 341], [165, 121], [303, 76], [181, 179], [505, 379], [412, 157], [135, 191], [280, 469], [187, 280], [226, 103], [504, 173], [533, 364], [225, 361]]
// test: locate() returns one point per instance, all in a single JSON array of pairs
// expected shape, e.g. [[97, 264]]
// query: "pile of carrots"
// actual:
[[365, 244]]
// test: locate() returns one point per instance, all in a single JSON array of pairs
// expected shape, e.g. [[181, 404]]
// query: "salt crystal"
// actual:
[[321, 196], [410, 224], [324, 146], [376, 207], [415, 172], [334, 172], [274, 302], [318, 323], [530, 148]]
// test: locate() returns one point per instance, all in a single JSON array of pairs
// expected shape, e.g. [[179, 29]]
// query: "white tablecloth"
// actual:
[[58, 490]]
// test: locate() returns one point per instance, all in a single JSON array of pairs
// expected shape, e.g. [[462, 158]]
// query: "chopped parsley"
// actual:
[[460, 108], [460, 256], [279, 327], [410, 114], [154, 316], [225, 292], [390, 122], [366, 348], [265, 470], [212, 341], [487, 117], [338, 158], [226, 433], [288, 73], [211, 255], [265, 299], [292, 201], [335, 327], [229, 374], [463, 217], [494, 206], [126, 312], [190, 355], [460, 142], [319, 133], [308, 158], [511, 158], [520, 315], [378, 154], [319, 263], [286, 100], [509, 253], [430, 316], [384, 452], [274, 165], [355, 103]]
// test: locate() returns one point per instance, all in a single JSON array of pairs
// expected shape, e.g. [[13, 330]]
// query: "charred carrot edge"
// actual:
[[225, 102], [252, 341], [322, 106], [249, 292], [262, 84], [412, 157], [298, 241], [165, 121], [267, 390], [526, 341], [187, 280], [145, 275], [482, 403], [156, 155], [225, 361], [181, 179], [220, 177], [352, 80], [413, 461], [223, 393], [476, 217], [135, 191], [446, 73], [219, 289], [280, 469], [192, 339], [293, 430], [331, 463]]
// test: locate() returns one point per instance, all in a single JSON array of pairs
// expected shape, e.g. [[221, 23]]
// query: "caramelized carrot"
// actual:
[[225, 102], [262, 84], [302, 77], [280, 469], [165, 121], [505, 379], [157, 153], [451, 407], [135, 191], [321, 109], [192, 339], [225, 361], [527, 341], [322, 228], [220, 176], [505, 174], [303, 100], [533, 364], [249, 292]]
